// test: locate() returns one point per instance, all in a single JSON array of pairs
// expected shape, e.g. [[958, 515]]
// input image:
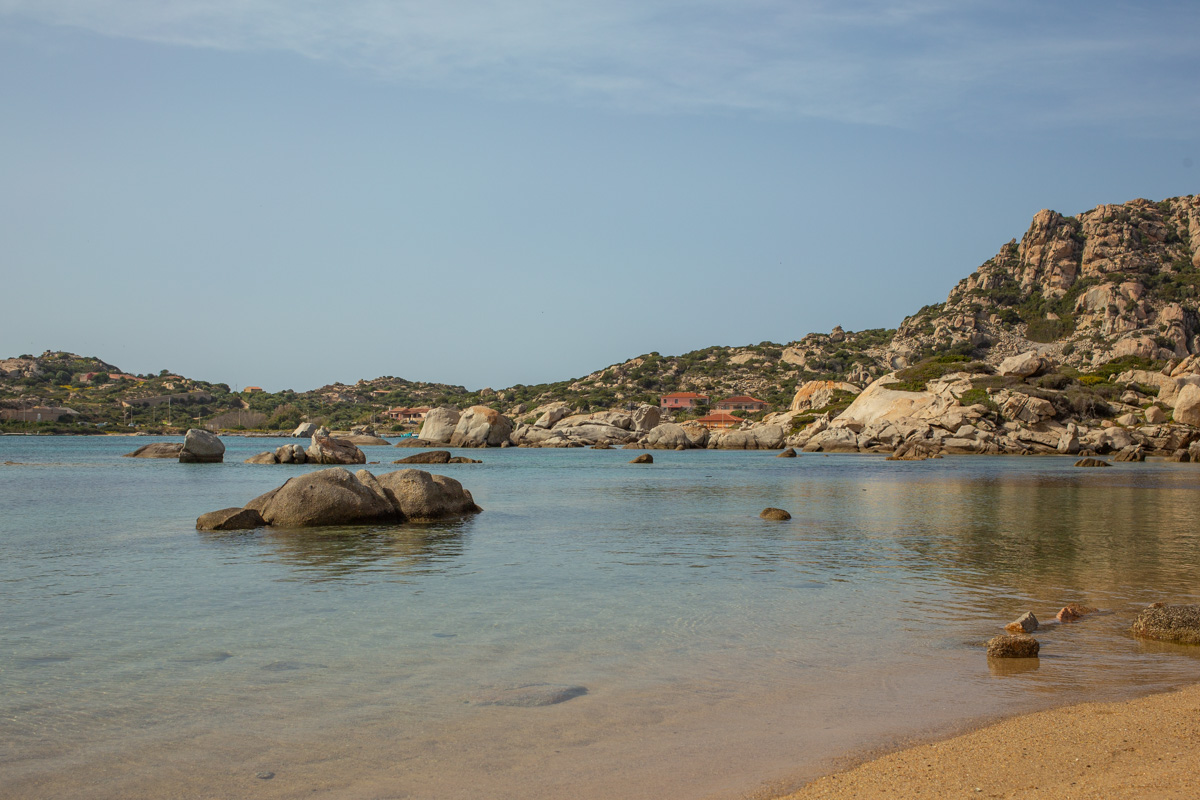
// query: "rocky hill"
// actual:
[[1094, 296]]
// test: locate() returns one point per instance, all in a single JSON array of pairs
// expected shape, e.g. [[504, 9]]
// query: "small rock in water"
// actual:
[[528, 696], [1092, 462], [1073, 611], [789, 453], [1025, 623], [266, 776], [774, 513], [1006, 646], [644, 458]]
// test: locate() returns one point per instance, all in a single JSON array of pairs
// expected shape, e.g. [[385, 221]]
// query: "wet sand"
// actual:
[[1148, 747]]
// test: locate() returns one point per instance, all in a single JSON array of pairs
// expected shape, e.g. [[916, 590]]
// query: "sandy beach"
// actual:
[[1143, 748]]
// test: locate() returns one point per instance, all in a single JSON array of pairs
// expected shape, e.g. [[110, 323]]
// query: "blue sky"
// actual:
[[489, 193]]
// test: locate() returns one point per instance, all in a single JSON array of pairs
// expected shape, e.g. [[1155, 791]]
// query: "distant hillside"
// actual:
[[1119, 283]]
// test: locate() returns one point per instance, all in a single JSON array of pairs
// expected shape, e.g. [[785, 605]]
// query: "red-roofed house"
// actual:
[[741, 402], [679, 401], [719, 419]]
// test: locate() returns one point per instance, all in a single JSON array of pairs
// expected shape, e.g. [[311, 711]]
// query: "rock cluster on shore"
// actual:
[[336, 496]]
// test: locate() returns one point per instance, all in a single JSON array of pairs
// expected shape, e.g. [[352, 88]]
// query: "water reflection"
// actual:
[[392, 552]]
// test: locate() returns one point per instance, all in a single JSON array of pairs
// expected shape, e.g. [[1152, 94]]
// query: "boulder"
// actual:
[[480, 426], [602, 446], [1180, 456], [1167, 623], [1187, 406], [328, 450], [1068, 442], [230, 519], [1073, 611], [201, 447], [1155, 415], [324, 497], [762, 437], [645, 418], [463, 460], [833, 440], [1092, 462], [1013, 646], [777, 514], [1026, 623], [819, 394], [644, 458], [1131, 453], [157, 450], [262, 458], [697, 434], [1025, 365], [304, 430], [439, 425], [421, 497], [1026, 408], [667, 436], [429, 457], [291, 454], [880, 403], [916, 450], [789, 453], [551, 416]]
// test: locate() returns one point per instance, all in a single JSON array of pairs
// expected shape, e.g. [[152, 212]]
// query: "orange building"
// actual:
[[718, 420]]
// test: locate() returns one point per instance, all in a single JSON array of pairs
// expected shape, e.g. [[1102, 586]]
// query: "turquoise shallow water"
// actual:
[[141, 658]]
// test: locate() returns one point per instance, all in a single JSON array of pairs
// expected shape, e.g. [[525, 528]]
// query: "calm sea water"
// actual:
[[722, 654]]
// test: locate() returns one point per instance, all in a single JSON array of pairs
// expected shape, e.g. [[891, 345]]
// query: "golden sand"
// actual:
[[1143, 748]]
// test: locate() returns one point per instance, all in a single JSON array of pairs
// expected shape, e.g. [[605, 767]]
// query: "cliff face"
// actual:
[[1114, 281]]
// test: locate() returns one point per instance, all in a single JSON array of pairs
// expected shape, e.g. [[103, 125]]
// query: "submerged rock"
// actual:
[[789, 453], [1167, 623], [1013, 646], [644, 458], [530, 696], [1092, 462], [775, 514], [263, 458]]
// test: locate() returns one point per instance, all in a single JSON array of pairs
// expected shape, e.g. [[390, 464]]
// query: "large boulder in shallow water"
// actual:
[[304, 430], [439, 425], [366, 440], [328, 450], [1180, 624], [421, 497], [480, 426], [325, 497], [201, 447], [1010, 646], [157, 450]]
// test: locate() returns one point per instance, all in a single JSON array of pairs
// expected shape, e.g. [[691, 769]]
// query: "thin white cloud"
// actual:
[[903, 63]]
